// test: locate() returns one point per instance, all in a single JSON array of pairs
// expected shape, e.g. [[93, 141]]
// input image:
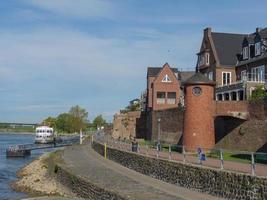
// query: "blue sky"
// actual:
[[94, 53]]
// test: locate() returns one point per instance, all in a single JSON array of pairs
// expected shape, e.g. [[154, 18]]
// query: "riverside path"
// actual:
[[85, 162]]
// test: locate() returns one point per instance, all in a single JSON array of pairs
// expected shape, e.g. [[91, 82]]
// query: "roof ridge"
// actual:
[[241, 34]]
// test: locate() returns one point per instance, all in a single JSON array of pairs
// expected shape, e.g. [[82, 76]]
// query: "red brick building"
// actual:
[[164, 87]]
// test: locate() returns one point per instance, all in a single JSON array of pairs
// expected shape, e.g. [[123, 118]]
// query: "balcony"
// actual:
[[242, 89]]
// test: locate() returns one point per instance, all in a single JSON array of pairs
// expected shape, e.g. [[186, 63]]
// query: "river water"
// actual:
[[9, 166]]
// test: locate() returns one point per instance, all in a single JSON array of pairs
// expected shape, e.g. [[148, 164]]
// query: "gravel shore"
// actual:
[[36, 180]]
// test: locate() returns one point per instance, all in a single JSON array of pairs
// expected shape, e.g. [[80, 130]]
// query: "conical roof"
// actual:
[[199, 78]]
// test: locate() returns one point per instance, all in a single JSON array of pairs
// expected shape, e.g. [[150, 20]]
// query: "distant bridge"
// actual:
[[15, 124], [237, 109]]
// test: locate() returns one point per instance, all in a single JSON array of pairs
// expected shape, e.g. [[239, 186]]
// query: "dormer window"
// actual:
[[245, 52], [166, 79], [257, 49], [204, 59], [207, 58]]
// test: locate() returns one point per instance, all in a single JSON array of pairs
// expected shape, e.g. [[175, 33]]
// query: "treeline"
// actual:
[[74, 121]]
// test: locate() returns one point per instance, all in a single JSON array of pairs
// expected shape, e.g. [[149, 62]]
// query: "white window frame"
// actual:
[[210, 75], [257, 48], [166, 79], [258, 74], [245, 52], [207, 58], [230, 78], [243, 75]]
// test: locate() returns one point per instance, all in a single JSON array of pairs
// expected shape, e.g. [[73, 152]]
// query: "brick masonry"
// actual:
[[219, 183], [199, 118]]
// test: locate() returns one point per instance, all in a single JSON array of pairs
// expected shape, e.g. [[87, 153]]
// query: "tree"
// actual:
[[50, 121], [63, 122], [258, 94], [99, 121], [78, 118]]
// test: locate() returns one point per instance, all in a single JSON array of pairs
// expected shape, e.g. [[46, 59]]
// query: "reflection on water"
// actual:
[[9, 166]]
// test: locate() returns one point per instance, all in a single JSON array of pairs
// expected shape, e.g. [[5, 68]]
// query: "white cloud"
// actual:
[[75, 8]]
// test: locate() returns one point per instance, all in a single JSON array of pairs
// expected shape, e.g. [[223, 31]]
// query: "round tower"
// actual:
[[199, 113]]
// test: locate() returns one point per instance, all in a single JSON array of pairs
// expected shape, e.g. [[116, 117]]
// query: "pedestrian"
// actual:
[[54, 141]]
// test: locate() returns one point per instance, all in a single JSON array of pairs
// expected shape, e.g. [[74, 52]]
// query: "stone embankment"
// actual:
[[36, 179], [219, 183]]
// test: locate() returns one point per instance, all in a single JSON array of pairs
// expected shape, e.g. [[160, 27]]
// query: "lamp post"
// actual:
[[158, 145]]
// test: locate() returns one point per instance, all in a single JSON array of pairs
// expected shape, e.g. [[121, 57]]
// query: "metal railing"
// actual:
[[253, 163]]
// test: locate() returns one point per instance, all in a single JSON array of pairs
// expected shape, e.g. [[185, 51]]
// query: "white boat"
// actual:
[[44, 135]]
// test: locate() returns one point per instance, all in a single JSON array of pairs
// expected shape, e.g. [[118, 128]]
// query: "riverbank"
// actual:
[[16, 133], [36, 179]]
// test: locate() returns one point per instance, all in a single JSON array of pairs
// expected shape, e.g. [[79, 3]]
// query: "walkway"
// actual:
[[85, 162], [260, 169]]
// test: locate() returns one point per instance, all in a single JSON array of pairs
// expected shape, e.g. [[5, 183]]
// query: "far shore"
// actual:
[[15, 133]]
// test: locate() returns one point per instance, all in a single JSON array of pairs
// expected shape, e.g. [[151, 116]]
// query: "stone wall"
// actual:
[[171, 125], [83, 188], [219, 183], [130, 124]]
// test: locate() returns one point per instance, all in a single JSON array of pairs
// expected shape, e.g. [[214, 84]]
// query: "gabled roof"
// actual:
[[154, 71], [199, 78], [184, 75], [227, 45]]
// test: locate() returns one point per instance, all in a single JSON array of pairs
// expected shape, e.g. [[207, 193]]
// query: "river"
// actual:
[[9, 166]]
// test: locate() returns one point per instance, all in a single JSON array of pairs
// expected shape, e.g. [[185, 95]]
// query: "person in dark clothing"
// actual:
[[54, 141]]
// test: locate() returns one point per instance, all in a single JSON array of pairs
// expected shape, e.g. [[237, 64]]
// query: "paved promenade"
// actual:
[[85, 162]]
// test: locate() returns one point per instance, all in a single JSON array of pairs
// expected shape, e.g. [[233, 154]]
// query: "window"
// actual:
[[207, 58], [245, 52], [166, 79], [161, 97], [226, 78], [257, 49], [258, 74], [201, 60], [244, 75], [210, 76], [171, 98]]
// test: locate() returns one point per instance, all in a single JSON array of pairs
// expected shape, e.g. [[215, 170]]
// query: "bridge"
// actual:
[[237, 109], [16, 124], [25, 149]]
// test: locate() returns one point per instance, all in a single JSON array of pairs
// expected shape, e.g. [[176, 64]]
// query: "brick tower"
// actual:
[[199, 113]]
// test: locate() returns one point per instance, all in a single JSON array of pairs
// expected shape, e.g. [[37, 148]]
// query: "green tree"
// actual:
[[50, 121], [63, 122], [99, 121], [258, 94], [78, 118]]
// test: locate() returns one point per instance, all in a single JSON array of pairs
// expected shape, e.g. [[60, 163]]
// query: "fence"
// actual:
[[237, 161]]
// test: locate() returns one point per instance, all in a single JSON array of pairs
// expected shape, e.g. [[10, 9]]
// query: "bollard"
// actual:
[[252, 165], [157, 151], [92, 139], [221, 158], [184, 160], [105, 150], [170, 152]]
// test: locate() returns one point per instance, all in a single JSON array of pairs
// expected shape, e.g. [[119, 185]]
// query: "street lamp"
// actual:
[[159, 119]]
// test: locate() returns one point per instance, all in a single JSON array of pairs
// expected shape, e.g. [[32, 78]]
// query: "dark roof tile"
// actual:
[[227, 45], [199, 78], [153, 71]]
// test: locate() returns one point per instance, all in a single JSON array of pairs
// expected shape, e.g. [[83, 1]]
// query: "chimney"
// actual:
[[207, 31], [258, 29]]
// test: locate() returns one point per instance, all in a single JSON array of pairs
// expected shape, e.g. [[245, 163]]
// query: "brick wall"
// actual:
[[171, 125], [130, 124], [231, 108]]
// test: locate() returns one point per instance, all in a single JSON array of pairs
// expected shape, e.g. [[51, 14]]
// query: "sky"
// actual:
[[55, 54]]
